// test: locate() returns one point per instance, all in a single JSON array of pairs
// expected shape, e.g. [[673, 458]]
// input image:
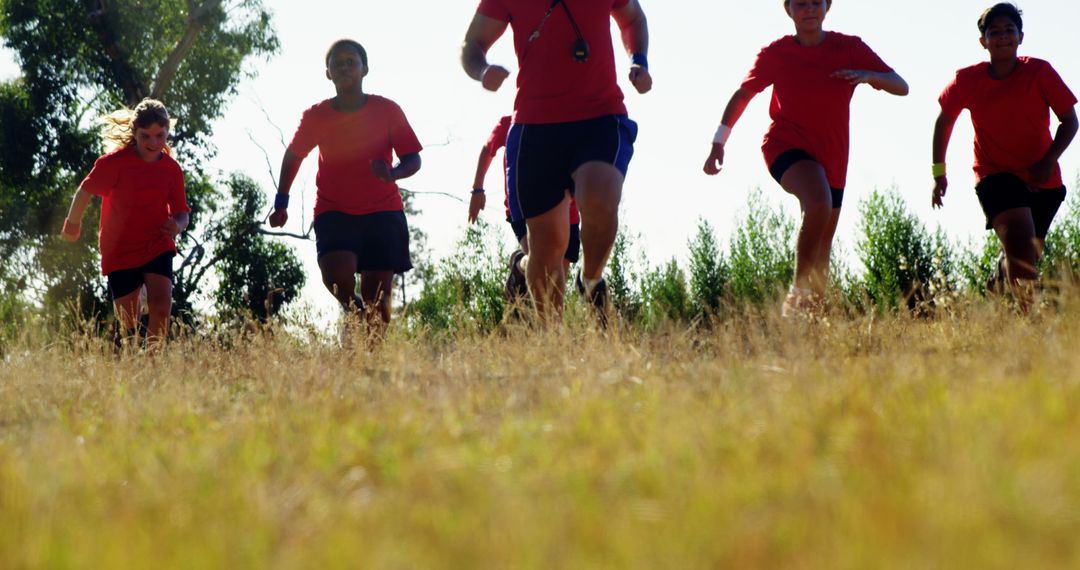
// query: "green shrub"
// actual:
[[623, 277], [664, 294], [709, 271], [467, 289], [762, 257], [896, 251], [1061, 258]]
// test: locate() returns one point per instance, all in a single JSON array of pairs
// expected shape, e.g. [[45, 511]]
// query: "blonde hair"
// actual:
[[118, 128]]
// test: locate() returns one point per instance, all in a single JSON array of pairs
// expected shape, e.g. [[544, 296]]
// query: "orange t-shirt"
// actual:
[[810, 110], [551, 86], [348, 142], [137, 199], [1011, 116]]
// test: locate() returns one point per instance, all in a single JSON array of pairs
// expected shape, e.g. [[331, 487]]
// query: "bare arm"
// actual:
[[735, 108], [406, 167], [483, 32], [888, 82], [176, 224], [1066, 132], [479, 199], [635, 37], [1041, 171], [73, 223], [943, 129], [482, 165], [290, 165]]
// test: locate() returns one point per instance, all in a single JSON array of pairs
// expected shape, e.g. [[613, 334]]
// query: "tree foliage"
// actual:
[[82, 59]]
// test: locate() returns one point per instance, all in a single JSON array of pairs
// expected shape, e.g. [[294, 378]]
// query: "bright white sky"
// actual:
[[699, 53]]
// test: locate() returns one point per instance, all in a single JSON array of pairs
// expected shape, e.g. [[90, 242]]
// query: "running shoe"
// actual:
[[800, 303], [598, 298], [517, 286], [995, 285]]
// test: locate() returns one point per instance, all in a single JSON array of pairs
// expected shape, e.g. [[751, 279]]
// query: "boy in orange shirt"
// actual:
[[1016, 160], [360, 224]]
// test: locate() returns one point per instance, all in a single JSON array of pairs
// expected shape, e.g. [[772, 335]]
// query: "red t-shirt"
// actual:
[[1011, 116], [497, 140], [137, 199], [810, 110], [551, 86], [348, 142]]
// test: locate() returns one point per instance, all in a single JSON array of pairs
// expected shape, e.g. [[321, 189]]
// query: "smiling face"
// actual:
[[150, 141], [346, 68], [1002, 39], [808, 15]]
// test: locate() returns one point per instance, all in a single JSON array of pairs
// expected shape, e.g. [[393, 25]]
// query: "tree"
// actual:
[[82, 59]]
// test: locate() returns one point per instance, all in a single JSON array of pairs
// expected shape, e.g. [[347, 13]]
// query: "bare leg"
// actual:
[[375, 290], [127, 309], [1016, 230], [159, 290], [338, 270], [339, 276], [548, 236], [598, 193], [806, 181]]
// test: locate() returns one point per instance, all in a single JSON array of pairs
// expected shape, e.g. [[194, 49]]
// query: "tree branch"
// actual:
[[129, 82], [195, 24]]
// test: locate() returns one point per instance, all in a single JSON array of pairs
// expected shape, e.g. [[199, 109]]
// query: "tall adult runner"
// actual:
[[570, 127]]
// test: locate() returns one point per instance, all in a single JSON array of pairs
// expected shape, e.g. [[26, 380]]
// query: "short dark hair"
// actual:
[[828, 3], [348, 44], [996, 11]]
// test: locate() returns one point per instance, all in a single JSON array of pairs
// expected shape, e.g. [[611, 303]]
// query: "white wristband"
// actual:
[[722, 134]]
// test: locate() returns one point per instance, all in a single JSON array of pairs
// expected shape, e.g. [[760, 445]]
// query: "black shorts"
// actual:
[[379, 240], [788, 158], [123, 282], [573, 248], [541, 159], [1004, 191]]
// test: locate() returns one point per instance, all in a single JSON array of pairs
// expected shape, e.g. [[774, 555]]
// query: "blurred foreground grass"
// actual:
[[883, 442]]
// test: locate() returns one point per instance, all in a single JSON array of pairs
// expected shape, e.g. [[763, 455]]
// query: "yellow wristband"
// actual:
[[938, 169]]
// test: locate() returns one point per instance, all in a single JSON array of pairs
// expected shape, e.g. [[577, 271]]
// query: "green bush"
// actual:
[[466, 292], [709, 272], [623, 277], [762, 257], [1061, 258], [664, 295], [896, 251]]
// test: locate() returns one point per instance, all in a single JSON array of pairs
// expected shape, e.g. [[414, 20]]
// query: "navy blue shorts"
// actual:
[[788, 158], [379, 240], [541, 159], [1005, 191], [573, 248], [123, 282]]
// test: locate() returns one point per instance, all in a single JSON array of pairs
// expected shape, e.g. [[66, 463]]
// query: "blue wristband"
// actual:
[[640, 59], [281, 201]]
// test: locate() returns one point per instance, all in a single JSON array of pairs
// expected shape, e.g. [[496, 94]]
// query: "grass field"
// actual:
[[869, 442]]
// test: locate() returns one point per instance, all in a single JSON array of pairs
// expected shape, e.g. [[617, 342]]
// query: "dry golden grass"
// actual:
[[871, 442]]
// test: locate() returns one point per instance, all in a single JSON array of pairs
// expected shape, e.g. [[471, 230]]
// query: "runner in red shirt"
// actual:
[[143, 209], [1016, 160], [813, 74], [360, 224], [570, 134], [516, 283]]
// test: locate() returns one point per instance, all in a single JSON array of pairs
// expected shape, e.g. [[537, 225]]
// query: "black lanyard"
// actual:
[[573, 23]]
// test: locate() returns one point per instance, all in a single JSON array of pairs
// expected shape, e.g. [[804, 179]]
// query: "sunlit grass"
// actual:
[[875, 441]]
